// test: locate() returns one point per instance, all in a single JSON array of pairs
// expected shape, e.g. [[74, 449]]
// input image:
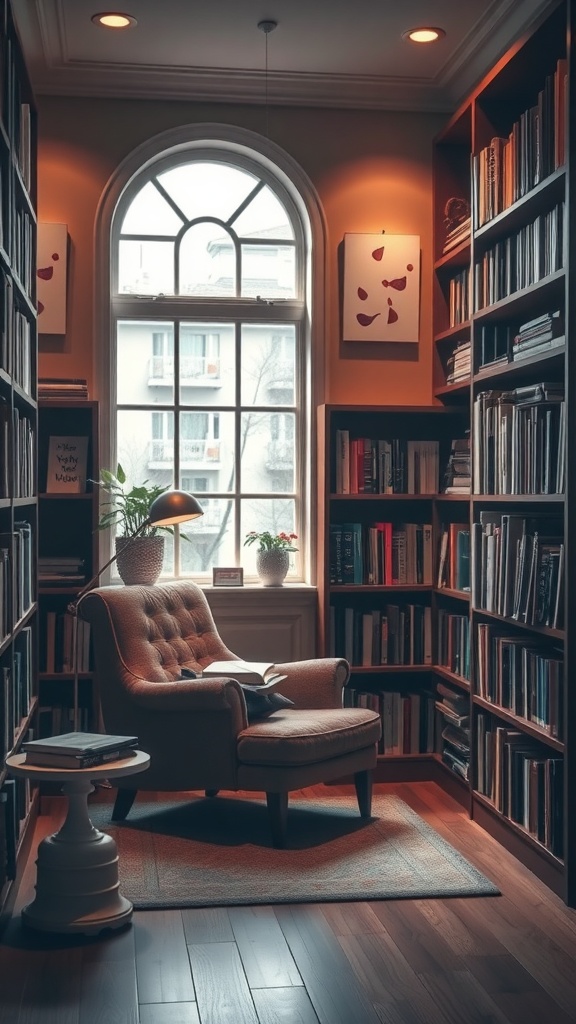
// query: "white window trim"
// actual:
[[273, 158]]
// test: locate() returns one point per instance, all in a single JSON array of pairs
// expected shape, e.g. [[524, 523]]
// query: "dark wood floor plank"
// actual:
[[330, 981], [284, 1006], [351, 918], [46, 998], [222, 992], [267, 960], [162, 964], [424, 947], [108, 993], [207, 924], [169, 1013], [515, 991], [461, 999], [463, 930], [389, 979]]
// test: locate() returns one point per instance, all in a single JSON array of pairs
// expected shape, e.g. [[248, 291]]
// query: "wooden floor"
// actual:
[[485, 960]]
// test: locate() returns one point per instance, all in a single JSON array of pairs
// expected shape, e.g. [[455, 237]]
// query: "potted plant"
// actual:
[[140, 558], [273, 555]]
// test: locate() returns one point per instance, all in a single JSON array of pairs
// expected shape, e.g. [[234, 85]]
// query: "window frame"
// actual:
[[277, 168]]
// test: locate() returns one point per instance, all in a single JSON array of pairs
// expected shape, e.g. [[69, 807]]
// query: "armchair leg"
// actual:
[[124, 800], [211, 792], [278, 814], [363, 784]]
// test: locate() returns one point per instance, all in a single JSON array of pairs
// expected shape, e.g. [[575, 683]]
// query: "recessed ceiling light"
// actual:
[[113, 19], [425, 34]]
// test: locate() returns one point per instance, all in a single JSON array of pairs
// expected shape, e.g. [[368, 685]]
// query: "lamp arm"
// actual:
[[73, 606]]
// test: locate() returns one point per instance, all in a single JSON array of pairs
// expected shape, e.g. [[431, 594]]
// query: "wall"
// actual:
[[372, 171]]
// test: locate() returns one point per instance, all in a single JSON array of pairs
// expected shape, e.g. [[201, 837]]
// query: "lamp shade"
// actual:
[[174, 507]]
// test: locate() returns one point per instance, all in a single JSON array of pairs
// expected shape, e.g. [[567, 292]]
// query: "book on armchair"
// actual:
[[261, 674]]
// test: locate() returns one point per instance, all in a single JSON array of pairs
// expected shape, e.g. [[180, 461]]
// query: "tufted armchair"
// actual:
[[196, 730]]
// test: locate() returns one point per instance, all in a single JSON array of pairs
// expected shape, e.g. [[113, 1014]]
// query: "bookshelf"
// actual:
[[67, 559], [505, 152], [18, 431], [380, 512]]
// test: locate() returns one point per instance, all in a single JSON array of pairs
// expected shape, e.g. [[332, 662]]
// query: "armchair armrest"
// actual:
[[315, 683]]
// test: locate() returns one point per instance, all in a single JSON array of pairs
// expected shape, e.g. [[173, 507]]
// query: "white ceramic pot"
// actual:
[[272, 566]]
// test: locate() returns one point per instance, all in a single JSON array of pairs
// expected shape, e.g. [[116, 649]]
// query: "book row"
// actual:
[[519, 567], [523, 677], [377, 466], [510, 166], [57, 642], [454, 642], [17, 448], [16, 682], [380, 553], [454, 557], [16, 561], [459, 298], [522, 780], [15, 798], [519, 440], [521, 259], [391, 635], [408, 719], [454, 708]]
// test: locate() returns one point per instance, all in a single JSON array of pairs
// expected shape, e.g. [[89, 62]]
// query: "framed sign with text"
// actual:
[[228, 577]]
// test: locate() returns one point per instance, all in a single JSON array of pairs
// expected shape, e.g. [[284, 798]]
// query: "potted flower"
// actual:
[[273, 555], [140, 558]]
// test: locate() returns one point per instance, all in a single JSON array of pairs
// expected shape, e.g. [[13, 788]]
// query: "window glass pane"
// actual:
[[267, 452], [207, 364], [277, 515], [268, 364], [203, 189], [145, 362], [150, 214], [207, 261], [145, 268], [142, 455], [207, 448], [268, 270], [264, 214], [211, 538]]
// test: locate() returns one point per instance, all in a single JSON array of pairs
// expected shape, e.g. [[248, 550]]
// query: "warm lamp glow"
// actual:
[[109, 19], [426, 34]]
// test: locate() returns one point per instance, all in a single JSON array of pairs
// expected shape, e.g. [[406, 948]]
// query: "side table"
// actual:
[[77, 888]]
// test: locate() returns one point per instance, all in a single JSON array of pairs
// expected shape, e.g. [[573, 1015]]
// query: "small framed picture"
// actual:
[[228, 577]]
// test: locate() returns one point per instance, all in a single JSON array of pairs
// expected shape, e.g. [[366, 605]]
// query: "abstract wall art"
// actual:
[[52, 251], [381, 287]]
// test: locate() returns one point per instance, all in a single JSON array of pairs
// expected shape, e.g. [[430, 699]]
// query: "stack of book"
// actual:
[[458, 364], [539, 335], [459, 233], [455, 710], [62, 388], [61, 570], [457, 476], [78, 750]]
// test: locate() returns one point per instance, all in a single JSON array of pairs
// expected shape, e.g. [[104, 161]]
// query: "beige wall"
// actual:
[[372, 171]]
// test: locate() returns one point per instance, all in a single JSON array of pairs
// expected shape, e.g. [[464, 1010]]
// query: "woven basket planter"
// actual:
[[139, 559]]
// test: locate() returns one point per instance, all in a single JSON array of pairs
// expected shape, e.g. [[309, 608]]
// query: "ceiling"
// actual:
[[323, 53]]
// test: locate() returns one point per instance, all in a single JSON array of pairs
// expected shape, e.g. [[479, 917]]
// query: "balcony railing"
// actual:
[[194, 370], [280, 456], [192, 453]]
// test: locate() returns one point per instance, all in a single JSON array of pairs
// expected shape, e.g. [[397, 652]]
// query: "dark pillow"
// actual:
[[258, 705]]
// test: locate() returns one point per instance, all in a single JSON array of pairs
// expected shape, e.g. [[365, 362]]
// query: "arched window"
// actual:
[[211, 371]]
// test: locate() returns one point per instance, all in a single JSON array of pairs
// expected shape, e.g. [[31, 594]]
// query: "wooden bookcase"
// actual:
[[68, 528], [18, 432], [507, 154], [400, 602]]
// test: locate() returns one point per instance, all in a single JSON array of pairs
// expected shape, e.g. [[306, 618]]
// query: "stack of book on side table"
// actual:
[[78, 750]]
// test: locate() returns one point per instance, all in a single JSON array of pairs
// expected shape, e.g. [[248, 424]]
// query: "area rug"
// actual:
[[197, 852]]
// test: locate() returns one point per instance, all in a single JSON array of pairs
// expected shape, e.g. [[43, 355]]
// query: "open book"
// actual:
[[262, 674]]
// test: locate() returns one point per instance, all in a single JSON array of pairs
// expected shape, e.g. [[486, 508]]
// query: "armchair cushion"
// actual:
[[308, 737]]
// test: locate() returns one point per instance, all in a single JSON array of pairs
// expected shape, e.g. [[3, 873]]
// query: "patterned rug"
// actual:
[[194, 852]]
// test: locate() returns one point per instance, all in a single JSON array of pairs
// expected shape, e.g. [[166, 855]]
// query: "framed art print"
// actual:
[[52, 250], [381, 287]]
